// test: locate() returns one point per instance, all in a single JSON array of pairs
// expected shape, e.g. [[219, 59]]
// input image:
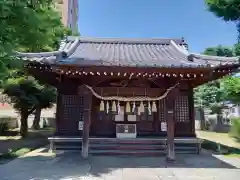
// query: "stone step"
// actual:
[[127, 141], [128, 147], [124, 152], [184, 148], [114, 146], [68, 147], [127, 153]]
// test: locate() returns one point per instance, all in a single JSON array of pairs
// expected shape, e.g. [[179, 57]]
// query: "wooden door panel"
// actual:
[[103, 128], [145, 128]]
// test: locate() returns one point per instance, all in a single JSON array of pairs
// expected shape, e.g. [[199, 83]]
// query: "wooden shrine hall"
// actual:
[[125, 89]]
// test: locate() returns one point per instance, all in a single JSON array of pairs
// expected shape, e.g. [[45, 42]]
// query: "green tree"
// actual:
[[19, 21], [46, 99], [211, 95], [29, 26], [219, 51], [23, 94], [229, 10], [237, 49], [27, 97], [231, 86]]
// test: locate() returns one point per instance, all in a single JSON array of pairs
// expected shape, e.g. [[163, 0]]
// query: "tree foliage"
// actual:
[[27, 26], [22, 91], [237, 49], [219, 51], [19, 19], [46, 99], [212, 95], [229, 10], [231, 86], [26, 95]]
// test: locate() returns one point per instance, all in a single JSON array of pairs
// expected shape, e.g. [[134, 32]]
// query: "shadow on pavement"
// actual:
[[72, 166]]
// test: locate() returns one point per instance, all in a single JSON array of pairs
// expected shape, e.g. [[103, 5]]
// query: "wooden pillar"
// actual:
[[58, 112], [87, 120], [171, 124], [191, 112]]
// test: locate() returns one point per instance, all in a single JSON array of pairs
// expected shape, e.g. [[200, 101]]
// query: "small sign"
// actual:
[[163, 126], [80, 125]]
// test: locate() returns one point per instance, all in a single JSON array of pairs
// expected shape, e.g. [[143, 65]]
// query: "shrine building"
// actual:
[[126, 91]]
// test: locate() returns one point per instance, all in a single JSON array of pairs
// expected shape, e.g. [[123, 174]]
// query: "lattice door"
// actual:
[[182, 109], [73, 107], [161, 110]]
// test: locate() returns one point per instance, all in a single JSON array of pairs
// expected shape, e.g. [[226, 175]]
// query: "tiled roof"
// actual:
[[127, 52]]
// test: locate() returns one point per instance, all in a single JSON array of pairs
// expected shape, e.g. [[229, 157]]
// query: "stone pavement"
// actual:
[[70, 166]]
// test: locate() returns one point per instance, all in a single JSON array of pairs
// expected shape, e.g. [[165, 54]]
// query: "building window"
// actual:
[[162, 110], [182, 109]]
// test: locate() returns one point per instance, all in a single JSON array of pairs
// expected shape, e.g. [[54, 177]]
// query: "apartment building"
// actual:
[[69, 13]]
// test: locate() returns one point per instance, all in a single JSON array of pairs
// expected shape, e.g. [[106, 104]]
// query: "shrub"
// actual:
[[3, 127], [6, 123], [235, 128]]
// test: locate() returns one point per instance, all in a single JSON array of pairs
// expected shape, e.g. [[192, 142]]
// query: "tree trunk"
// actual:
[[37, 118], [24, 125], [219, 119], [202, 119]]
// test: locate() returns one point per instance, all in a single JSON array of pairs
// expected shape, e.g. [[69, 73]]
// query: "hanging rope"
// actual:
[[136, 99]]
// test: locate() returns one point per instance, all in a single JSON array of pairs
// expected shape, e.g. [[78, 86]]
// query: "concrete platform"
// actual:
[[40, 165]]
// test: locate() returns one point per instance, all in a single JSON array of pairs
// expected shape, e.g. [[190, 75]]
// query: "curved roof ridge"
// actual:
[[127, 40], [38, 54], [215, 58], [179, 48], [71, 47]]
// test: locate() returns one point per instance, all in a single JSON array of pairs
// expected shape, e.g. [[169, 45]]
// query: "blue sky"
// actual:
[[155, 19]]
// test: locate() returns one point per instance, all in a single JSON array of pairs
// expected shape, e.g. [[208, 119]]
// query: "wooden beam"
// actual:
[[170, 104]]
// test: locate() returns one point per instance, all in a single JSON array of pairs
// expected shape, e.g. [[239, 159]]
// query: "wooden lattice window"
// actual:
[[81, 108], [181, 109], [73, 107], [161, 110]]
